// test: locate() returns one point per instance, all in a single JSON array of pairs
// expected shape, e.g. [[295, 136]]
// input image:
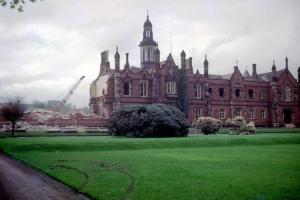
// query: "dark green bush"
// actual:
[[154, 120]]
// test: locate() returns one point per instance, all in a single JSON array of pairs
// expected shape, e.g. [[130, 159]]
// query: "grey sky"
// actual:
[[53, 43]]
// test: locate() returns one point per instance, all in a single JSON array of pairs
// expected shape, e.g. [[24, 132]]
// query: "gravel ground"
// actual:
[[19, 182]]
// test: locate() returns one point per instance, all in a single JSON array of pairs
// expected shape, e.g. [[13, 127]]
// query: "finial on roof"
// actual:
[[205, 60], [147, 13], [183, 53], [286, 63], [117, 55], [236, 62], [273, 67]]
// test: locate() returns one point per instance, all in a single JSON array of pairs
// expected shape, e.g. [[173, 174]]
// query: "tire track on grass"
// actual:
[[110, 167], [59, 165]]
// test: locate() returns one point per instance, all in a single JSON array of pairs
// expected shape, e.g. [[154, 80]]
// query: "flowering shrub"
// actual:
[[239, 126], [207, 125]]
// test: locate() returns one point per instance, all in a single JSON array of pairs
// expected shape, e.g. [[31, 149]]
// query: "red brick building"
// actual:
[[269, 99]]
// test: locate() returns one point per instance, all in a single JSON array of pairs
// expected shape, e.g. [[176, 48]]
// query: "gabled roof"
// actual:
[[246, 73], [214, 76], [269, 75]]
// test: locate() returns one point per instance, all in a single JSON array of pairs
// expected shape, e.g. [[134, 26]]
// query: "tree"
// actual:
[[15, 4], [154, 120], [12, 111], [182, 94]]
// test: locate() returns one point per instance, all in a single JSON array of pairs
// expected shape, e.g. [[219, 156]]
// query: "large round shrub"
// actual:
[[154, 120], [207, 125]]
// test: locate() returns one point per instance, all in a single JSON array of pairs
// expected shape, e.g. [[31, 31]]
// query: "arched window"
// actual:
[[147, 33], [127, 88], [287, 94], [198, 91]]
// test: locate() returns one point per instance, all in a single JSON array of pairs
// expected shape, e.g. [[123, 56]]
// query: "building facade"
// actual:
[[268, 99]]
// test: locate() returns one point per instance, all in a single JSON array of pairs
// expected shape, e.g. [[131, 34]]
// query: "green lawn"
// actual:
[[264, 166]]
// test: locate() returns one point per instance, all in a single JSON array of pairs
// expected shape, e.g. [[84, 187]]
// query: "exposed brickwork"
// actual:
[[260, 98]]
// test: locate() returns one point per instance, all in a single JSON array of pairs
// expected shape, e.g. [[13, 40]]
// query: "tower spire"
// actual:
[[147, 45], [117, 60], [171, 42], [147, 14]]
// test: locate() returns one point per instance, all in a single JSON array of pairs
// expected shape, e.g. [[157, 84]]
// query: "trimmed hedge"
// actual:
[[153, 120]]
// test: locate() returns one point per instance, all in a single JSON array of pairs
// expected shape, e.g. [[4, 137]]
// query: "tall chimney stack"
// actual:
[[254, 73]]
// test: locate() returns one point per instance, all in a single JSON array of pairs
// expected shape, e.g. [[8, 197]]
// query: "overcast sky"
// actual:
[[53, 43]]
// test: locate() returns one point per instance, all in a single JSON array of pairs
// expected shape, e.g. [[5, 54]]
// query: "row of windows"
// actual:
[[171, 89], [237, 112], [144, 87], [198, 90]]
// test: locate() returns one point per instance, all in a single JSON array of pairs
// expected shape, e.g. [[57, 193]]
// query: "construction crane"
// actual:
[[69, 94]]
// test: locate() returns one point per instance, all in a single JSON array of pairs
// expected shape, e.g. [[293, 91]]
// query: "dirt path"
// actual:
[[19, 182]]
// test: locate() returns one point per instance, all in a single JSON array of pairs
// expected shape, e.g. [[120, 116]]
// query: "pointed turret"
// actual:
[[183, 60], [117, 60], [246, 73], [157, 55], [273, 67], [205, 63]]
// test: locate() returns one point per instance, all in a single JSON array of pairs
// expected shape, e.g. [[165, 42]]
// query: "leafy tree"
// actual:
[[155, 120], [12, 111], [15, 4], [182, 96]]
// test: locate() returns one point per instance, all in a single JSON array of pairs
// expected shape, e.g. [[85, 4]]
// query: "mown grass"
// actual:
[[264, 166]]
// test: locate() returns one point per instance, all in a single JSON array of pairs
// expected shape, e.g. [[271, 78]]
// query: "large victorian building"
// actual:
[[268, 99]]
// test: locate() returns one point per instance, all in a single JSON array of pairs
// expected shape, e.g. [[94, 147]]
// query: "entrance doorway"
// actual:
[[287, 116]]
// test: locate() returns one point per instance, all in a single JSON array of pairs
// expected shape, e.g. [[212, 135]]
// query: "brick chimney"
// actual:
[[254, 73]]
